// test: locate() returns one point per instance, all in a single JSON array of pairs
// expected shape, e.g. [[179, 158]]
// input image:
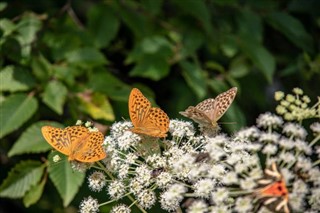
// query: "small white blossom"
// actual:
[[181, 129], [270, 149], [219, 196], [123, 171], [131, 158], [248, 183], [143, 174], [204, 187], [315, 127], [121, 208], [146, 198], [243, 204], [118, 128], [89, 205], [269, 137], [295, 130], [156, 161], [171, 198], [198, 206], [116, 189], [269, 120], [250, 133], [127, 140], [164, 179], [97, 181]]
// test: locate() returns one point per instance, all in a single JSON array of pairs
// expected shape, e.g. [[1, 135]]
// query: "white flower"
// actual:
[[216, 171], [315, 127], [164, 179], [116, 189], [118, 128], [123, 171], [97, 181], [303, 146], [89, 205], [243, 204], [314, 199], [286, 143], [121, 208], [248, 183], [143, 174], [181, 129], [127, 140], [269, 137], [270, 149], [230, 178], [171, 198], [156, 161], [131, 158], [198, 206], [269, 120], [295, 130], [219, 196], [135, 186], [287, 157], [250, 133], [220, 209], [299, 187], [204, 187], [146, 198]]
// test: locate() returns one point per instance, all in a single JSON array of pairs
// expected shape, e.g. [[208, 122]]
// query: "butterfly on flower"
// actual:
[[209, 111], [272, 192], [77, 142], [147, 120]]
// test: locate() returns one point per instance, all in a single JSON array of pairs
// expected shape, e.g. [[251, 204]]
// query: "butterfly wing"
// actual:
[[146, 120], [196, 115], [91, 150], [222, 103], [57, 138], [139, 107]]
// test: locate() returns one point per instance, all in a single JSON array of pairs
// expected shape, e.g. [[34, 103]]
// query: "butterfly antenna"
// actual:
[[227, 122]]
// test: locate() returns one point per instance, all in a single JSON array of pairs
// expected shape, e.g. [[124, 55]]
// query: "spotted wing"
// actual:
[[92, 149], [58, 138], [222, 103], [196, 115], [139, 107]]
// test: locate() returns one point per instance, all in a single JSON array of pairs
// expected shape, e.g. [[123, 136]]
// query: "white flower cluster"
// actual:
[[209, 173]]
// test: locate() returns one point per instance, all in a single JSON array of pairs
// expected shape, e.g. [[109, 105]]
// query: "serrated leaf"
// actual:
[[104, 81], [198, 10], [55, 95], [32, 141], [86, 57], [41, 68], [260, 56], [97, 106], [152, 67], [15, 79], [34, 194], [66, 180], [292, 28], [194, 77], [103, 25], [21, 178], [15, 110]]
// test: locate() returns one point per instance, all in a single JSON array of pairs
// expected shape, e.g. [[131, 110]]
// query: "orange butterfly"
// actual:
[[77, 142], [147, 120], [274, 193]]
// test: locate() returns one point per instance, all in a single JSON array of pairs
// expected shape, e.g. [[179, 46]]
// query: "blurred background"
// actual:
[[61, 61]]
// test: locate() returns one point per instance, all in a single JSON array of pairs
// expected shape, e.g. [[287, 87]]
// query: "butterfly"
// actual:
[[209, 111], [273, 193], [147, 120], [77, 142]]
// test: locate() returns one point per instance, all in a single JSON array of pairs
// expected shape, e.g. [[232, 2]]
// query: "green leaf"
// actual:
[[7, 27], [15, 79], [34, 194], [15, 110], [238, 68], [55, 95], [86, 57], [194, 77], [21, 178], [27, 29], [41, 68], [66, 180], [103, 81], [152, 6], [250, 25], [3, 5], [260, 56], [97, 106], [103, 25], [31, 140], [199, 10], [292, 28], [152, 67]]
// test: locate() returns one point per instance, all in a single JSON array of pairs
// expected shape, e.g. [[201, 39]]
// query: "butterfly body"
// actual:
[[77, 142], [209, 111], [147, 120]]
